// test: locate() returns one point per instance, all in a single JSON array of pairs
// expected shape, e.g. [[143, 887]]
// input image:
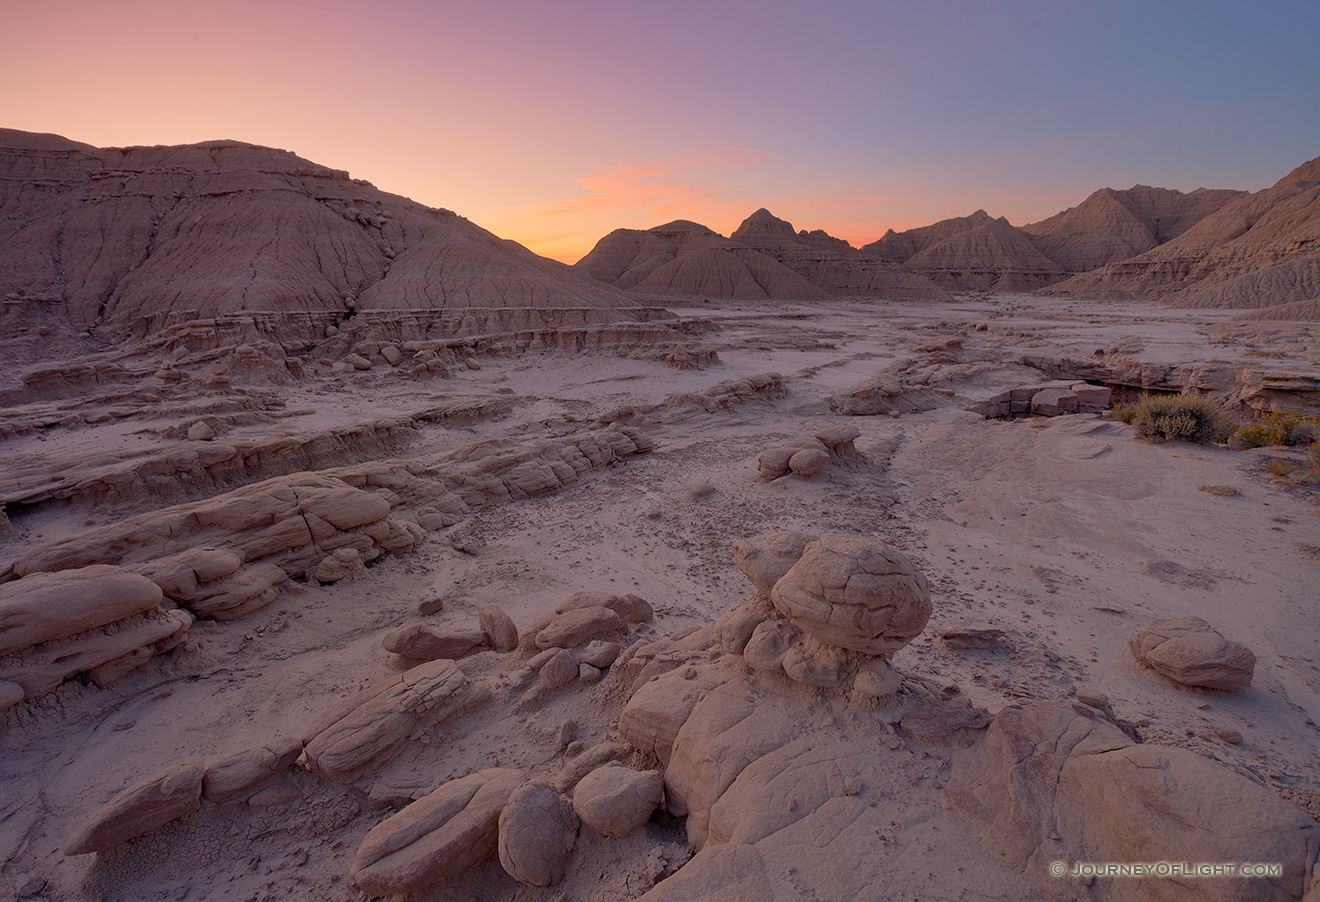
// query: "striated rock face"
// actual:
[[995, 256], [1110, 225], [830, 263], [440, 835], [1256, 250], [243, 771], [56, 605], [764, 259], [1188, 650], [115, 235]]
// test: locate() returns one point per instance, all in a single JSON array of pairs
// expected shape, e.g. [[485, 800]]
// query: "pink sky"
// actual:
[[553, 124]]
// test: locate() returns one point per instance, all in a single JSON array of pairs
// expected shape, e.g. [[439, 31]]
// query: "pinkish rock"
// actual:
[[617, 800], [577, 626], [1188, 650], [808, 462], [498, 628], [141, 808], [420, 642]]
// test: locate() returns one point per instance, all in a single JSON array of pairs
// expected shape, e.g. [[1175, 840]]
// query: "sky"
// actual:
[[555, 123]]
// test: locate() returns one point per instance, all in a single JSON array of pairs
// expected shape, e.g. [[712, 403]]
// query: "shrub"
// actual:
[[1280, 469], [1188, 418], [1283, 427], [1124, 412]]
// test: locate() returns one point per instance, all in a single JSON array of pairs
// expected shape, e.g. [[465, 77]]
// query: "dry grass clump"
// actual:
[[1225, 491], [1187, 418]]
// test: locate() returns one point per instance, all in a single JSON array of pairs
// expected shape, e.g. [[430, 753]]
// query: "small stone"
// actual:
[[200, 432], [701, 490], [589, 674], [431, 605], [498, 628], [1227, 734], [1093, 698]]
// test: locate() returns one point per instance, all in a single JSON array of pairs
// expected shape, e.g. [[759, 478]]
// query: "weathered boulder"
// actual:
[[1188, 650], [736, 625], [599, 654], [766, 558], [560, 670], [573, 627], [537, 831], [498, 628], [773, 463], [855, 593], [441, 835], [421, 642], [47, 606], [141, 808], [617, 800], [1053, 401], [808, 462], [769, 643], [653, 716], [630, 608], [367, 729], [233, 775]]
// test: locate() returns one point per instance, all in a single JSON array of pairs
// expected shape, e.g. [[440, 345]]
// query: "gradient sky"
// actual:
[[554, 123]]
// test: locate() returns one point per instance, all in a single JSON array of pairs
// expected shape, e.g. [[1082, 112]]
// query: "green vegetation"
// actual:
[[1187, 418], [1281, 469], [1284, 427]]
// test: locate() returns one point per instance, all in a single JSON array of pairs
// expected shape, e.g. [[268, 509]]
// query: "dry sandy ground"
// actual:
[[1068, 533]]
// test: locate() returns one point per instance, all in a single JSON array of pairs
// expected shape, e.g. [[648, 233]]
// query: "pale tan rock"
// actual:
[[141, 808], [653, 716], [249, 589], [576, 626], [537, 832], [773, 463], [367, 729], [421, 642], [600, 654], [200, 431], [766, 558], [769, 643], [617, 800], [342, 564], [736, 625], [393, 356], [878, 679], [838, 437], [1188, 650], [440, 835], [498, 628], [42, 668], [47, 606], [589, 674], [237, 773], [808, 462], [631, 608], [1056, 782], [813, 664], [559, 670], [855, 593], [933, 720]]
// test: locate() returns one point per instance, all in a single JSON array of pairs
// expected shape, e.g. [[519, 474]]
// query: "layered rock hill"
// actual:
[[764, 259], [1111, 225], [685, 259], [1258, 250], [831, 263], [156, 235], [970, 253]]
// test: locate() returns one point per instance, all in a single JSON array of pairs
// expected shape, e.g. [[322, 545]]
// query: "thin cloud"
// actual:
[[632, 194]]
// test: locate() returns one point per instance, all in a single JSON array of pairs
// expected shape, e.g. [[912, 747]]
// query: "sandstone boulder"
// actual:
[[631, 608], [47, 606], [855, 593], [420, 642], [141, 808], [808, 462], [498, 628], [560, 670], [367, 729], [765, 559], [617, 800], [537, 831], [600, 654], [440, 835], [1188, 650], [573, 627], [233, 775]]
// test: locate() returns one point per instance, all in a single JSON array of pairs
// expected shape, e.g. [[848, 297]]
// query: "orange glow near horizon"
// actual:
[[553, 125]]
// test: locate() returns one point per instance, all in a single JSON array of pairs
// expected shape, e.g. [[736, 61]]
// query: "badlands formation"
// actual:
[[349, 551]]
